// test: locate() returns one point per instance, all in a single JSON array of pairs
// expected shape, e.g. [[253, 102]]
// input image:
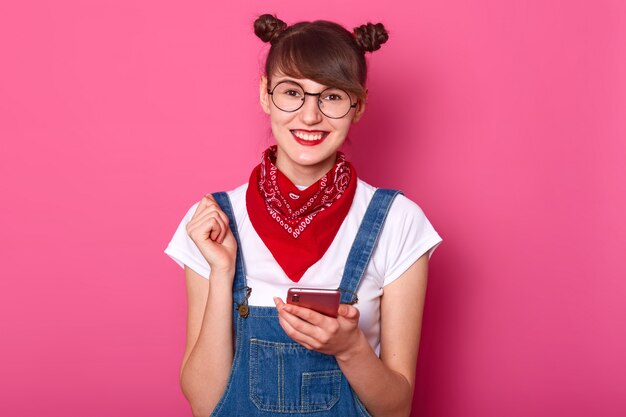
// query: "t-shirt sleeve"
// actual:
[[406, 236], [184, 251]]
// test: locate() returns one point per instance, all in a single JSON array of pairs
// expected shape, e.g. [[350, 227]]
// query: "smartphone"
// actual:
[[321, 300]]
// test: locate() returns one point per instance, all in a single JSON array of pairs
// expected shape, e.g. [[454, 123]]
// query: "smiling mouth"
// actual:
[[309, 137]]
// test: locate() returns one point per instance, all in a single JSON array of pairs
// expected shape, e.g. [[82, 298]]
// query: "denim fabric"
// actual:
[[271, 374]]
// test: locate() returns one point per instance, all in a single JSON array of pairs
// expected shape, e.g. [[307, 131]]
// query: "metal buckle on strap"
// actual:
[[242, 308], [354, 300]]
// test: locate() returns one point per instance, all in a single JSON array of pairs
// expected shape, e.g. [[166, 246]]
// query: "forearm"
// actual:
[[384, 392], [205, 373]]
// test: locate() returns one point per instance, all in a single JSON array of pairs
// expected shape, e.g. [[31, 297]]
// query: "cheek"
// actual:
[[279, 125], [342, 126], [279, 118]]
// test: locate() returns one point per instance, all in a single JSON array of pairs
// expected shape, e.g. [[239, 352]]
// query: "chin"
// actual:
[[304, 159]]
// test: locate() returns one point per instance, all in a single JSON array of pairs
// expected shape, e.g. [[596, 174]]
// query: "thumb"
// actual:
[[349, 312]]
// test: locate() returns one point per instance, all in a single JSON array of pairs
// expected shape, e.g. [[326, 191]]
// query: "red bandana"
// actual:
[[298, 226]]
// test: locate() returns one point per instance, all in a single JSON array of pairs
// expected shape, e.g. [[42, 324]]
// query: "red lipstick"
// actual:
[[310, 142]]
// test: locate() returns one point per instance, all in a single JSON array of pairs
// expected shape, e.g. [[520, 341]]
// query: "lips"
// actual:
[[309, 137]]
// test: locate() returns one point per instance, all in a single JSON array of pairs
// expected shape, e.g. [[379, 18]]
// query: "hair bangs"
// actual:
[[316, 55]]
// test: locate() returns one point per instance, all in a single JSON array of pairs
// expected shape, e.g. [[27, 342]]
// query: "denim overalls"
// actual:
[[271, 374]]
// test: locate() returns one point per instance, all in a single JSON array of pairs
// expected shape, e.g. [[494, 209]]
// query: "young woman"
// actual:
[[305, 220]]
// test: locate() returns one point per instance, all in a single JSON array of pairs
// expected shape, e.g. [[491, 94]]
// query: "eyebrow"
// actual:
[[287, 78]]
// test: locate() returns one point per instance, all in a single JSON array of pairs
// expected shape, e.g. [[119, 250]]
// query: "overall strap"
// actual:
[[364, 243], [241, 291]]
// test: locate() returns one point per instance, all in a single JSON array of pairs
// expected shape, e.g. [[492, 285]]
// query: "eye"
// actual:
[[292, 93], [334, 95], [288, 90]]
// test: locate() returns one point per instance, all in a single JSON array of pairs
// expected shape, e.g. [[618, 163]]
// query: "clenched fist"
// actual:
[[209, 230]]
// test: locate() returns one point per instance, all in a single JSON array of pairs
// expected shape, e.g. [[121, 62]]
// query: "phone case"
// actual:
[[321, 300]]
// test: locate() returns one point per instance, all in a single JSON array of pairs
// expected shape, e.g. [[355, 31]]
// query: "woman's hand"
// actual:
[[209, 230], [315, 331]]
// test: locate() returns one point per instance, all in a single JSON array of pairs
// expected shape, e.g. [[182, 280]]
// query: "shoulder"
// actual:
[[406, 235], [402, 209], [407, 231], [238, 193]]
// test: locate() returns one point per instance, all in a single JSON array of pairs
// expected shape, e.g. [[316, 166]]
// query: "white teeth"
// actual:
[[308, 136]]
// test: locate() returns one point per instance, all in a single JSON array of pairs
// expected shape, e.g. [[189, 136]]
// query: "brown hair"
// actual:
[[322, 51]]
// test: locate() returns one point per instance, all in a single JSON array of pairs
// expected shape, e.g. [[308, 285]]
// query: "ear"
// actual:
[[360, 108], [264, 97]]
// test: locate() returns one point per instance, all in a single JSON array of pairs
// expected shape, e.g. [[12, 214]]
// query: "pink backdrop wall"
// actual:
[[504, 120]]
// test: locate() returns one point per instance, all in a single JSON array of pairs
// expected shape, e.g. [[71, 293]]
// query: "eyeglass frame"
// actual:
[[352, 106]]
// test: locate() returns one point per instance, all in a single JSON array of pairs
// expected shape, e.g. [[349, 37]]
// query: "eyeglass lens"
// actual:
[[332, 102]]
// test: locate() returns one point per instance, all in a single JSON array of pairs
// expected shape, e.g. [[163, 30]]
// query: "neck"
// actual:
[[304, 175]]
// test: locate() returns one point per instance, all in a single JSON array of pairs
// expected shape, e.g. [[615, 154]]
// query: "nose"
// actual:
[[310, 112]]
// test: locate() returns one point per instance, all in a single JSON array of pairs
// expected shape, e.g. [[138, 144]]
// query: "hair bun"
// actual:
[[268, 27], [371, 36]]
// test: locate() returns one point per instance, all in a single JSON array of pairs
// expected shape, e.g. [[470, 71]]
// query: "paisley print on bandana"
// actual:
[[294, 218], [298, 226]]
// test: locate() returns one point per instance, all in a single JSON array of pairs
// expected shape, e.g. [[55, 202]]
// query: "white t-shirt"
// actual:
[[407, 234]]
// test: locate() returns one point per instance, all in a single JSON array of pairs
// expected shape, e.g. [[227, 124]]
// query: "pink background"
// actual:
[[504, 120]]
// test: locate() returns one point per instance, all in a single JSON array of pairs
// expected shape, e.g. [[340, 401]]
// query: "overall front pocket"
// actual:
[[286, 377]]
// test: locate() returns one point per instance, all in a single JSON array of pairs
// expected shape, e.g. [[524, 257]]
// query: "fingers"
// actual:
[[206, 201], [307, 327], [298, 330], [292, 325], [349, 312], [208, 226], [208, 204], [297, 322], [304, 340], [306, 314], [279, 302], [214, 225], [209, 221], [213, 208]]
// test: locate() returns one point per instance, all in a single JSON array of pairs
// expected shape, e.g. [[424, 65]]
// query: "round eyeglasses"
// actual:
[[333, 102]]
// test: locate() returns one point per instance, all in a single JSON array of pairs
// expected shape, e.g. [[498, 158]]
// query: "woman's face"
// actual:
[[307, 140]]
